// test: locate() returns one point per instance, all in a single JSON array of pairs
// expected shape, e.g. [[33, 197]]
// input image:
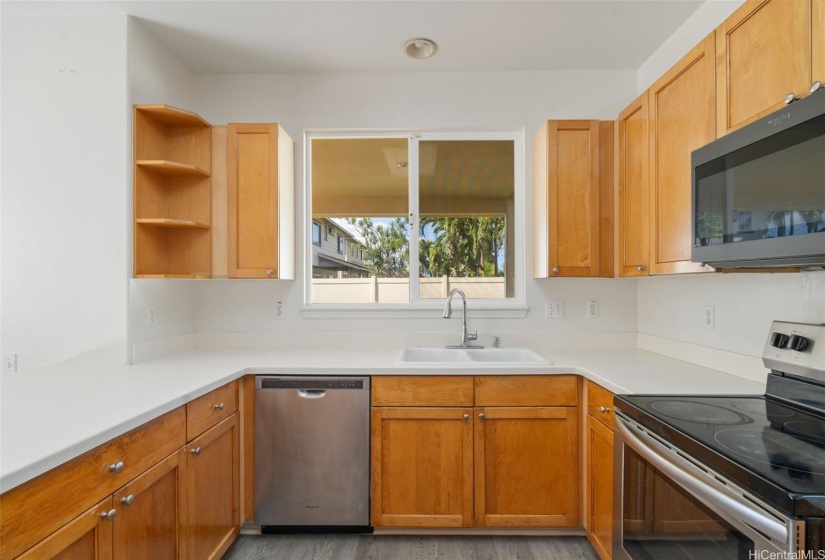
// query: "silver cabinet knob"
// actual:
[[604, 408], [108, 515], [466, 416], [128, 500], [270, 272], [195, 451], [555, 270], [816, 86], [641, 268], [481, 416], [790, 98], [116, 467], [218, 406]]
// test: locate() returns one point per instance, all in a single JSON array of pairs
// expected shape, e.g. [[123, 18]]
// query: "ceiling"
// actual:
[[277, 36]]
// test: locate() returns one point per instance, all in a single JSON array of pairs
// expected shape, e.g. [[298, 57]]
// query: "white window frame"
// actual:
[[515, 307]]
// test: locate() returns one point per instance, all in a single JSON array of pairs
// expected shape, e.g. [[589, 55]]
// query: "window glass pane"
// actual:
[[466, 193], [316, 233], [360, 195]]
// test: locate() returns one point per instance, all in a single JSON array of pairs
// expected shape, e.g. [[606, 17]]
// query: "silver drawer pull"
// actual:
[[481, 416], [108, 515], [218, 406], [604, 409], [116, 467], [195, 451], [128, 500], [466, 416]]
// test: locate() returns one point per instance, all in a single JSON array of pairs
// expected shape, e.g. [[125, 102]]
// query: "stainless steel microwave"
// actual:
[[758, 196]]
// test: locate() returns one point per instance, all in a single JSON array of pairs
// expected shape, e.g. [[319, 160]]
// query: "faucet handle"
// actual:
[[472, 336]]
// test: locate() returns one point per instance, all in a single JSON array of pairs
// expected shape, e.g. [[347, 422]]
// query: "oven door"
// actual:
[[667, 507]]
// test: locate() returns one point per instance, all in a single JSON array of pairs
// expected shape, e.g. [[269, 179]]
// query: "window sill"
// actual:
[[411, 311]]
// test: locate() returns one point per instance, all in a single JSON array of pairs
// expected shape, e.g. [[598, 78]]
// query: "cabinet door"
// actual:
[[212, 487], [599, 481], [252, 169], [87, 537], [634, 189], [682, 104], [422, 467], [151, 513], [526, 467], [763, 53], [573, 198]]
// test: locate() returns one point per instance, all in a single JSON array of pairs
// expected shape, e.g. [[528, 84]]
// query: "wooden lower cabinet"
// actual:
[[151, 512], [87, 537], [213, 490], [526, 467], [422, 467], [599, 486]]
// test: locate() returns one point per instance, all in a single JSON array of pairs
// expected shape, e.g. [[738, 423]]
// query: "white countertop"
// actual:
[[51, 415]]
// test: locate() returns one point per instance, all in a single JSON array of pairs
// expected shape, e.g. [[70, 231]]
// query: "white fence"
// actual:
[[396, 290]]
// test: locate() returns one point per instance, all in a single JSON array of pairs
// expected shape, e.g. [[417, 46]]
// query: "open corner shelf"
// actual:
[[175, 276], [169, 223], [172, 116], [172, 168]]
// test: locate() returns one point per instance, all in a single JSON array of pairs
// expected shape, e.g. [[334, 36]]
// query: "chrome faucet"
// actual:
[[448, 312]]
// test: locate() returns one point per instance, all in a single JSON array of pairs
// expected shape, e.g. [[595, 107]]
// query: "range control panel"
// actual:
[[796, 348]]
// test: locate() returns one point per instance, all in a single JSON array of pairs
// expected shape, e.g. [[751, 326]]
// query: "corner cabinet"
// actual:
[[172, 193], [764, 52], [573, 194], [260, 185]]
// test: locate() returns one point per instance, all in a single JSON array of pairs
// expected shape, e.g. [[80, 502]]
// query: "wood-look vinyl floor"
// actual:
[[392, 547]]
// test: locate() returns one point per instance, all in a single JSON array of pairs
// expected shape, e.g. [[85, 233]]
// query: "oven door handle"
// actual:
[[714, 498]]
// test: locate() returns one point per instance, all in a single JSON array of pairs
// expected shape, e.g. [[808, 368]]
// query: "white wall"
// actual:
[[156, 75], [412, 100], [64, 189]]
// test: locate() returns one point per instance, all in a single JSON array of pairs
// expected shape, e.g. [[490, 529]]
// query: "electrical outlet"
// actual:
[[554, 309], [592, 309], [709, 317], [150, 317], [279, 310], [9, 362]]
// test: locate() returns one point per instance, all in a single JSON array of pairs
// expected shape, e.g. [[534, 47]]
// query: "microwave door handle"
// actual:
[[709, 495]]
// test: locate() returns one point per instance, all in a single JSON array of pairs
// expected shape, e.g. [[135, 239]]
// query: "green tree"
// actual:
[[386, 247], [462, 246]]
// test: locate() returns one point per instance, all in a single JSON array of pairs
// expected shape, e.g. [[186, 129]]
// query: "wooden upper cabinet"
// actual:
[[568, 191], [681, 120], [422, 467], [763, 53], [260, 192], [634, 189], [818, 40], [526, 467]]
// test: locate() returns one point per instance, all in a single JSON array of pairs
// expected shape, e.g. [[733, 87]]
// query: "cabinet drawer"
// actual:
[[31, 512], [206, 411], [526, 390], [600, 404], [422, 390]]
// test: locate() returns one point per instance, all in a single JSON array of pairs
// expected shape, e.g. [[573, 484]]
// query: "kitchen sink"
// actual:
[[423, 355]]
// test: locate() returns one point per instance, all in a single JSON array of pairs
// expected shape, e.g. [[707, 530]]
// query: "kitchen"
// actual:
[[80, 304]]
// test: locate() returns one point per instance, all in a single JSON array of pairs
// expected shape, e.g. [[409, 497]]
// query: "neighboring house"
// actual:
[[335, 252]]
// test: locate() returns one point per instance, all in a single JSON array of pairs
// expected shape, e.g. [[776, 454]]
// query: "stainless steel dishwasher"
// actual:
[[312, 453]]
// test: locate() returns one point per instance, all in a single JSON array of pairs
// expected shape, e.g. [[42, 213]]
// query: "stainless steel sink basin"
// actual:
[[473, 357]]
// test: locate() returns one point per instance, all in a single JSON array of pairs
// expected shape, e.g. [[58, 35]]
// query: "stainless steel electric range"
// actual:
[[738, 477]]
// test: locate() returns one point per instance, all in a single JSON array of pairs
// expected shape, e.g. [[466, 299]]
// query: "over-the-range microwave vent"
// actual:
[[758, 193]]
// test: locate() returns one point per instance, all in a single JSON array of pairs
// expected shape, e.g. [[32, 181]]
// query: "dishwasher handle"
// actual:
[[312, 393]]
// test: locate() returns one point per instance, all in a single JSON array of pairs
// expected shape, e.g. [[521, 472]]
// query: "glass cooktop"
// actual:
[[774, 450]]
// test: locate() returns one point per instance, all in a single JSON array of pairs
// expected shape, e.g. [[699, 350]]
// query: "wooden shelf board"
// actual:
[[166, 167], [168, 223], [184, 276], [172, 116]]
